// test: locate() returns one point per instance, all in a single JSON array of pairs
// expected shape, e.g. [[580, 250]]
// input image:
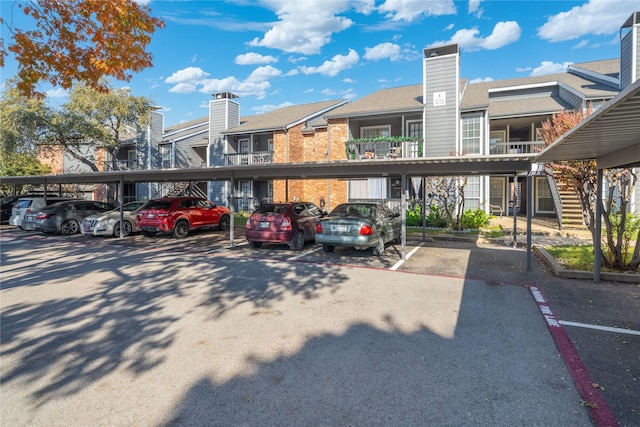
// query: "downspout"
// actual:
[[328, 203]]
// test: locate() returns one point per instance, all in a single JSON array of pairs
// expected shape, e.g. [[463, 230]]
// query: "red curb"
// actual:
[[602, 414]]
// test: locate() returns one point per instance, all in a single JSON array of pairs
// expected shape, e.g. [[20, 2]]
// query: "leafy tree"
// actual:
[[80, 41], [22, 125], [94, 121], [581, 177]]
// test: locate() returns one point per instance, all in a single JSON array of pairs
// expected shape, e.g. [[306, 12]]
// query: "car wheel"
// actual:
[[181, 229], [255, 245], [225, 222], [297, 243], [126, 230], [328, 248], [148, 233], [378, 250], [70, 227]]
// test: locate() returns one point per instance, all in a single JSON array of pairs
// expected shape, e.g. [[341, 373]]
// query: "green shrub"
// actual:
[[475, 218], [433, 219]]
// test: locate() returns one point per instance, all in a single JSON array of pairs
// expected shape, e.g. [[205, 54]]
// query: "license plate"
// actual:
[[151, 216], [31, 218], [264, 224], [86, 227], [340, 228]]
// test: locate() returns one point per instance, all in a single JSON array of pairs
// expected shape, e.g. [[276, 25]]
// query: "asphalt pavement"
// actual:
[[164, 332]]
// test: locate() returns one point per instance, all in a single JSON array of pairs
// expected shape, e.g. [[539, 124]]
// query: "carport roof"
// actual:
[[445, 166], [611, 135]]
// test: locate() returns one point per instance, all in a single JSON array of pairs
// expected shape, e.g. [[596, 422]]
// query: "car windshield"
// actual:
[[130, 207], [277, 209], [354, 210]]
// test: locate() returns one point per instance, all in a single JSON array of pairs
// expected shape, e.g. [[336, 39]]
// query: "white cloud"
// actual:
[[408, 10], [231, 84], [333, 66], [549, 67], [581, 44], [304, 26], [600, 17], [189, 74], [523, 69], [503, 34], [57, 93], [481, 80], [348, 80], [253, 58], [382, 51], [474, 8], [183, 88], [269, 107], [263, 73], [449, 27]]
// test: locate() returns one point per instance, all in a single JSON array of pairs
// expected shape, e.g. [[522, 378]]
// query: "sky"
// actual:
[[273, 53]]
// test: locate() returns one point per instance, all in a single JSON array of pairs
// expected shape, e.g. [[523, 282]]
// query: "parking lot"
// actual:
[[165, 331]]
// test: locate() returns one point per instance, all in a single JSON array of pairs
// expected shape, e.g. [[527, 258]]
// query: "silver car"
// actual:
[[361, 225], [66, 217], [23, 213], [108, 223]]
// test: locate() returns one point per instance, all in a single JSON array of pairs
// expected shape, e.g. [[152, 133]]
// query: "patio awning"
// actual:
[[610, 136]]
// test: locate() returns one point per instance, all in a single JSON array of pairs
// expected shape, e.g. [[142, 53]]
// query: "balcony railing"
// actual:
[[383, 149], [123, 165], [516, 147], [255, 158]]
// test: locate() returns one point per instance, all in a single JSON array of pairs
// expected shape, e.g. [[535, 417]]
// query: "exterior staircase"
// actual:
[[571, 208], [175, 189]]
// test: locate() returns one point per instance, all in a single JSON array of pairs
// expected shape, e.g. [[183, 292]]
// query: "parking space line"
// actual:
[[600, 328], [304, 254], [413, 251]]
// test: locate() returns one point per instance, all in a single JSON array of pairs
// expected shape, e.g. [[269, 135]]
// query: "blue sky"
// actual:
[[274, 53]]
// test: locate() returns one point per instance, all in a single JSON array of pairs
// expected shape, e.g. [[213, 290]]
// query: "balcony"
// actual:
[[381, 148], [516, 147], [255, 158]]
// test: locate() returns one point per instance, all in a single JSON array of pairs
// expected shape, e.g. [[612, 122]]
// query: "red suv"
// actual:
[[179, 215]]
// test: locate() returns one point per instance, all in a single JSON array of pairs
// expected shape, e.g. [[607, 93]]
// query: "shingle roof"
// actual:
[[403, 98], [283, 117], [186, 129]]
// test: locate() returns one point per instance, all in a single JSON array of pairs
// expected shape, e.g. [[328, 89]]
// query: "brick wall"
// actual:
[[299, 147]]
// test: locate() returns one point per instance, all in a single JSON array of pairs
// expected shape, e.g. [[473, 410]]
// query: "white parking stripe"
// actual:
[[304, 254], [600, 328], [413, 251]]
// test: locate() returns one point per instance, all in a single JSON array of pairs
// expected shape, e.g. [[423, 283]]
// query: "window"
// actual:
[[165, 156], [496, 191], [414, 130], [544, 199], [471, 133], [243, 146], [472, 193], [375, 131]]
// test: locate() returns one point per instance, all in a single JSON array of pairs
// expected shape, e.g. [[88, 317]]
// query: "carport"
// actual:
[[507, 165], [611, 137]]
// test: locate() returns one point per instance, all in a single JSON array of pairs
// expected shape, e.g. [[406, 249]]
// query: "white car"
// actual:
[[108, 223]]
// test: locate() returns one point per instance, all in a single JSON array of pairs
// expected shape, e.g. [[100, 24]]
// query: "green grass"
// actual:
[[578, 257], [240, 219]]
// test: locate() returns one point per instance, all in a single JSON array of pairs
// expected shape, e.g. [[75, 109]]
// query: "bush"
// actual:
[[476, 218], [433, 219]]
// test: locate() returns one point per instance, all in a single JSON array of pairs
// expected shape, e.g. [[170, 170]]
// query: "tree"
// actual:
[[103, 120], [22, 125], [581, 177], [80, 41]]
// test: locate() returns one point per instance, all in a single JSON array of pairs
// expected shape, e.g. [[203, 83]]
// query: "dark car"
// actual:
[[361, 225], [6, 203], [66, 217], [179, 215], [289, 223]]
